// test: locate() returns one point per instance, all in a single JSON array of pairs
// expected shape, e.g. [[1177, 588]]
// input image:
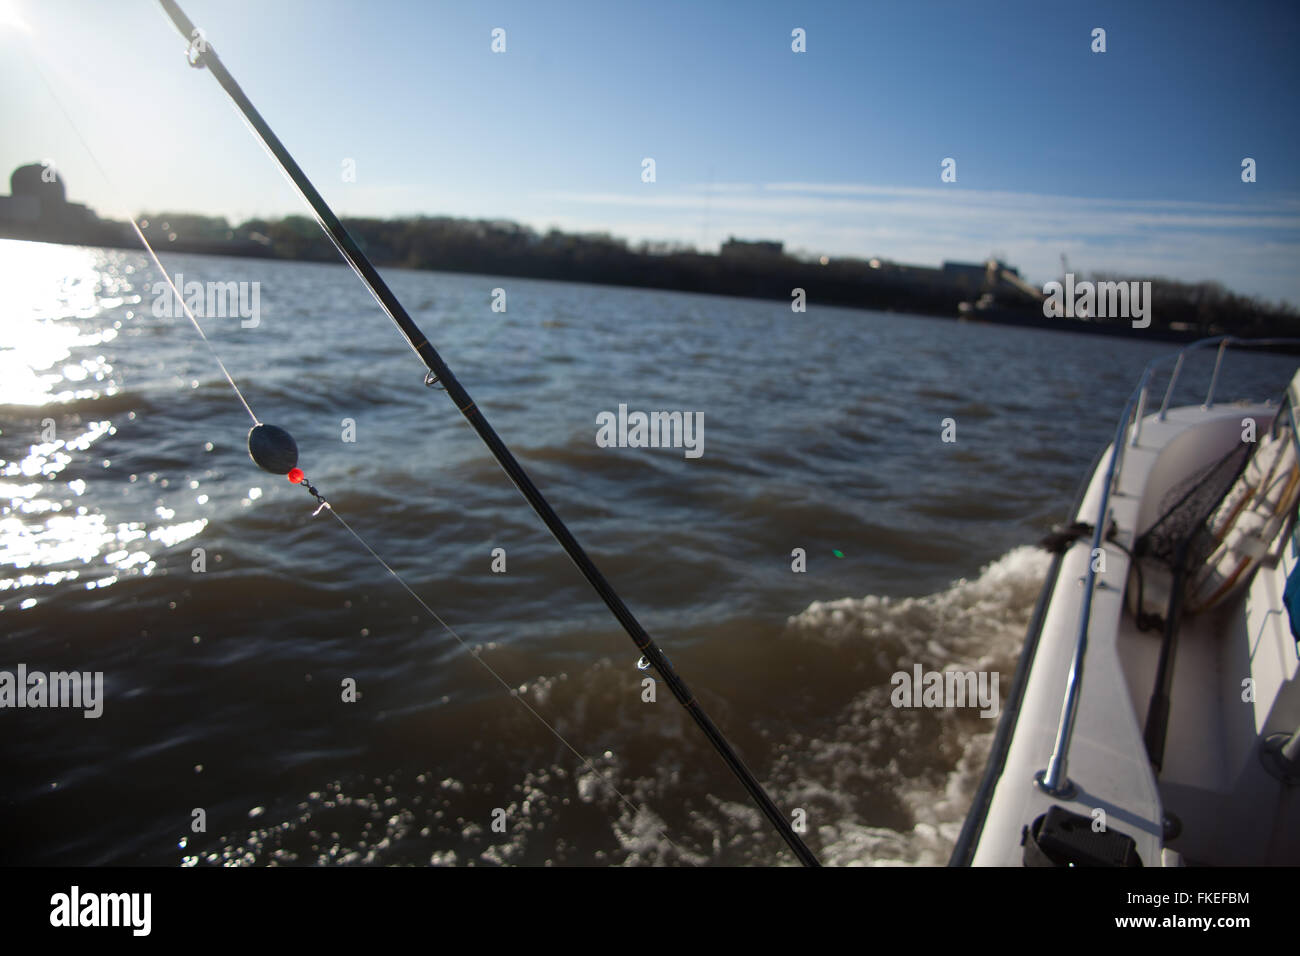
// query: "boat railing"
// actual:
[[1055, 779]]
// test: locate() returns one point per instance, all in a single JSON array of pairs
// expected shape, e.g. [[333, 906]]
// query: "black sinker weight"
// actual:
[[272, 448]]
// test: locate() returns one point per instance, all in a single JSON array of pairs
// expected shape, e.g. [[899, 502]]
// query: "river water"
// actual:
[[122, 451]]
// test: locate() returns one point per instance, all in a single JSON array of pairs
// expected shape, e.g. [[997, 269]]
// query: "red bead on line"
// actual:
[[295, 475]]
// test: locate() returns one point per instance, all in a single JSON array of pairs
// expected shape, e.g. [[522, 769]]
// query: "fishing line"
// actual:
[[193, 321], [513, 691], [201, 55], [49, 88], [326, 506]]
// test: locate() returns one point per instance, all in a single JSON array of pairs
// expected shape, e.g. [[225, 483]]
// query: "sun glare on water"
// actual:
[[46, 290], [58, 306]]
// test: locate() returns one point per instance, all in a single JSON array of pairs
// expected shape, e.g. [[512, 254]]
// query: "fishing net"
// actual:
[[1187, 507], [1197, 515]]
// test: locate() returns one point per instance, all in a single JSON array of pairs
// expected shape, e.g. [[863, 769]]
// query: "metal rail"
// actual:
[[1055, 778]]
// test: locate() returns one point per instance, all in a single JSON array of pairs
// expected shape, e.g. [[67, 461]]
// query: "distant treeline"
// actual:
[[1210, 309], [496, 247]]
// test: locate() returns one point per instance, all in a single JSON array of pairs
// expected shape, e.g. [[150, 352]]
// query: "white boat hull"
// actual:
[[1206, 797]]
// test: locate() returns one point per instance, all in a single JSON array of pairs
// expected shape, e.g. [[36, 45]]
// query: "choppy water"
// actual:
[[822, 432]]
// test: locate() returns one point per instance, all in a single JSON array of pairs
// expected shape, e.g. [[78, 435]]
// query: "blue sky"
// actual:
[[1126, 160]]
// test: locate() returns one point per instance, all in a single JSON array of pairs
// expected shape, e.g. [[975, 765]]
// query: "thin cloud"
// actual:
[[1249, 246]]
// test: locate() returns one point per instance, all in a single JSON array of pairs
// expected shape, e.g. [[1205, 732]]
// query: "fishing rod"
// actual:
[[201, 54]]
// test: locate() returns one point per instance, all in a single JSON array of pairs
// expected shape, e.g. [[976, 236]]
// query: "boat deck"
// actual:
[[1231, 810]]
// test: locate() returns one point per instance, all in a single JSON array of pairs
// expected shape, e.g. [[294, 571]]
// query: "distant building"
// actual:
[[917, 275], [761, 247], [38, 208], [967, 273], [977, 273]]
